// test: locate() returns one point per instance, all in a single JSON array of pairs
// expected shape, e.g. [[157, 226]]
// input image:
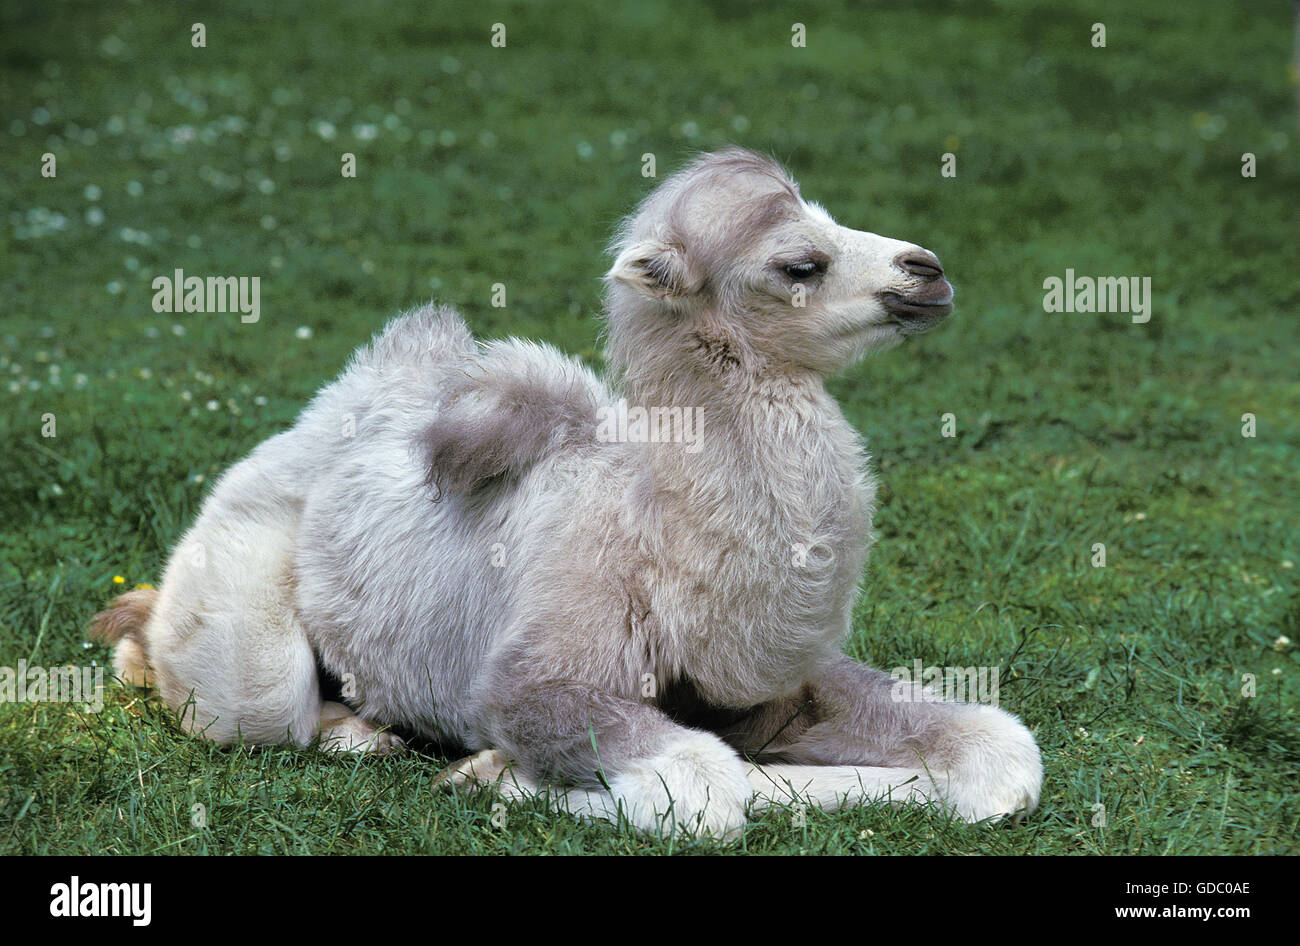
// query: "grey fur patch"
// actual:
[[501, 424]]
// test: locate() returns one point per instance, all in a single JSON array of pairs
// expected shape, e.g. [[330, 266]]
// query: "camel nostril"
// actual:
[[919, 262]]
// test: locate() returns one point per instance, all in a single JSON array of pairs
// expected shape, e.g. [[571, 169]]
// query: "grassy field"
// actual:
[[478, 165]]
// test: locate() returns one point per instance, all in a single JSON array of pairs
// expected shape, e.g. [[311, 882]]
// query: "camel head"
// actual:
[[726, 267]]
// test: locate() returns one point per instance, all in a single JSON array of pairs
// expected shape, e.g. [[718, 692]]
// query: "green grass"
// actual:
[[511, 165]]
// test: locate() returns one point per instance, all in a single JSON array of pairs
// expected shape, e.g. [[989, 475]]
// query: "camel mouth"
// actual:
[[917, 312]]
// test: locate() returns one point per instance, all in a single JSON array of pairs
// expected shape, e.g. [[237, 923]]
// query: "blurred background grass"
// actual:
[[479, 165]]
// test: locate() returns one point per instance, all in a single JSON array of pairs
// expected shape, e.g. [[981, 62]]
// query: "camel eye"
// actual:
[[803, 271]]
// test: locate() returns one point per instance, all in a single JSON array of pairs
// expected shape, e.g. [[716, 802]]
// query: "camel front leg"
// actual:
[[597, 755], [853, 735], [833, 787]]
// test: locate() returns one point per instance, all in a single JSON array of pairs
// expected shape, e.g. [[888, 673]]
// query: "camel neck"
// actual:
[[778, 444]]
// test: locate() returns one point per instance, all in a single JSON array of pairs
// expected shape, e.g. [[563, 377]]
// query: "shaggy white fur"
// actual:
[[618, 620]]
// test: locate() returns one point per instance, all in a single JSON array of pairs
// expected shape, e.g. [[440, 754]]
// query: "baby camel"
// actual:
[[636, 619]]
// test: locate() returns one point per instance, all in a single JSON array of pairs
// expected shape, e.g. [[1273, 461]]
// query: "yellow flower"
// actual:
[[141, 585], [119, 580]]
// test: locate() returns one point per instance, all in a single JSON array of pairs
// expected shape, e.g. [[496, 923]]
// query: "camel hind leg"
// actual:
[[227, 649], [341, 730]]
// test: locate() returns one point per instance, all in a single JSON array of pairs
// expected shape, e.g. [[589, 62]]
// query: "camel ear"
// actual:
[[656, 269]]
